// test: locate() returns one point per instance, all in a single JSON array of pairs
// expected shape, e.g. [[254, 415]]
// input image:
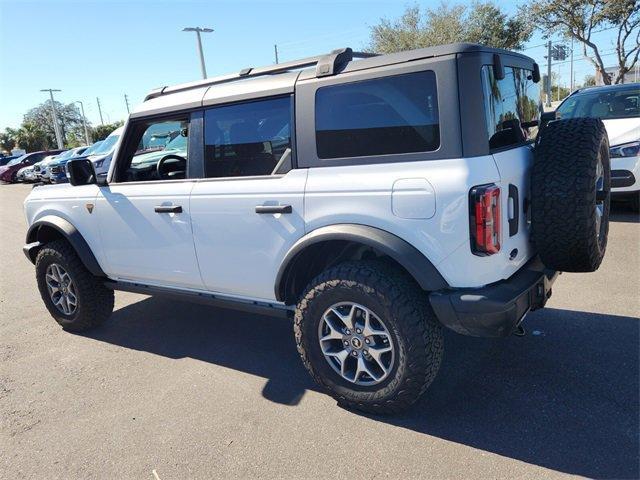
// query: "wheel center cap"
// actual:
[[356, 342]]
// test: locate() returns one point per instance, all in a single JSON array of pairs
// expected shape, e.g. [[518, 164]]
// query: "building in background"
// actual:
[[632, 76]]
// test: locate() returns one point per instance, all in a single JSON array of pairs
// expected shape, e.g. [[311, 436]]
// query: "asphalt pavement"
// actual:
[[172, 390]]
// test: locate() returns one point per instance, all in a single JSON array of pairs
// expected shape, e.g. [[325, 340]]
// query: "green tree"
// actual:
[[589, 80], [100, 132], [69, 118], [32, 138], [482, 22], [581, 19], [8, 139]]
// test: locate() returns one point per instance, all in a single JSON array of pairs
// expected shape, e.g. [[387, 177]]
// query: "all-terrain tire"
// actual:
[[94, 300], [570, 194], [405, 311]]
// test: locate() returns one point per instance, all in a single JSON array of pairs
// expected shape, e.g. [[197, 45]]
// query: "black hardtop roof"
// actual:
[[340, 60]]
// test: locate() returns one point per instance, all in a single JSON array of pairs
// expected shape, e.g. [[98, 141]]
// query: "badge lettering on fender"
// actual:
[[89, 207]]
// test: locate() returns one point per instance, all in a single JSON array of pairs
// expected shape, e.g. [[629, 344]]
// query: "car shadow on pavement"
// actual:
[[564, 397]]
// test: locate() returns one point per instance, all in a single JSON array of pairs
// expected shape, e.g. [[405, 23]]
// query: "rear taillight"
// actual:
[[484, 210]]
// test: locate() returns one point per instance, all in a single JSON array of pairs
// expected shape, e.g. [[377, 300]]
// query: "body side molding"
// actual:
[[409, 257], [36, 239]]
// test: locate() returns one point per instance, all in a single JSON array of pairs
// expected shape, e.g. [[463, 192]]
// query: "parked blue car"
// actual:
[[57, 171]]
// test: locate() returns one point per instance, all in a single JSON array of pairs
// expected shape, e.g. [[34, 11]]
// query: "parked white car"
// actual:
[[101, 157], [619, 108]]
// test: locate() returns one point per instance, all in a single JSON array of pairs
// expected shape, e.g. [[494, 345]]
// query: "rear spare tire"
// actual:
[[570, 194]]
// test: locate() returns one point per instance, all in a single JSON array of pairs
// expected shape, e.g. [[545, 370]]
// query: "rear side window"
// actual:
[[512, 107], [247, 139], [388, 115]]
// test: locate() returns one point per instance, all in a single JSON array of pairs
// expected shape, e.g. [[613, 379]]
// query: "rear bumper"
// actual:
[[497, 309]]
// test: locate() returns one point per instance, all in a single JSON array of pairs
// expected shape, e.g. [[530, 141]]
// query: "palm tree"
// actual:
[[31, 138]]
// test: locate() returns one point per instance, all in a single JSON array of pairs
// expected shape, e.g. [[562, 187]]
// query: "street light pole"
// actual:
[[84, 123], [199, 30], [549, 74], [54, 117]]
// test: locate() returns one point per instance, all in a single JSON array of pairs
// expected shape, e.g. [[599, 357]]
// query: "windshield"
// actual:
[[107, 144], [16, 161], [605, 104], [92, 148], [65, 155]]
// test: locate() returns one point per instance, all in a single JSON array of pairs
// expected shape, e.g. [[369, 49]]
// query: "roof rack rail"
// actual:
[[326, 65]]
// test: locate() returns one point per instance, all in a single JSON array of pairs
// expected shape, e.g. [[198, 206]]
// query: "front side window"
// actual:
[[247, 139], [512, 106], [157, 150], [388, 115]]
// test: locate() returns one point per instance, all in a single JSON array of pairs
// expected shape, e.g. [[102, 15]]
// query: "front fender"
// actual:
[[41, 232]]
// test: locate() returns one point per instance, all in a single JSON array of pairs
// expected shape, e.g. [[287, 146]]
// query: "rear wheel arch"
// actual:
[[327, 246], [51, 228]]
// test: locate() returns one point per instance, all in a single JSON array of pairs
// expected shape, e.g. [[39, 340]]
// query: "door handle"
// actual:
[[168, 209], [274, 209]]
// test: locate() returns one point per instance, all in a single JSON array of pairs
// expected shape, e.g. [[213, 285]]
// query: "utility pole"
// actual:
[[549, 74], [100, 111], [54, 117], [572, 79], [199, 30], [126, 102], [275, 48], [84, 123]]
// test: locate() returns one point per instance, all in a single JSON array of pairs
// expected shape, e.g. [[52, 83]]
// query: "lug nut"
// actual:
[[346, 342], [358, 330], [366, 352], [354, 353], [348, 332], [367, 341]]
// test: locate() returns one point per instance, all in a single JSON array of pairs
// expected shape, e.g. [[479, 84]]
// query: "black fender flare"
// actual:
[[68, 231], [409, 257]]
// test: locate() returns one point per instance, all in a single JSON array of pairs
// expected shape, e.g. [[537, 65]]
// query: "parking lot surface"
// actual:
[[190, 391]]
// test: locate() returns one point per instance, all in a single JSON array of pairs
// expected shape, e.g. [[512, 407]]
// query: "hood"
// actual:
[[622, 130]]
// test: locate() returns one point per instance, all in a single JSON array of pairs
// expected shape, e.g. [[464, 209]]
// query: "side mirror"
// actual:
[[81, 172], [547, 117]]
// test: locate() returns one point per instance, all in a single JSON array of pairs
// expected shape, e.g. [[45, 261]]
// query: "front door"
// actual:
[[248, 211], [144, 214]]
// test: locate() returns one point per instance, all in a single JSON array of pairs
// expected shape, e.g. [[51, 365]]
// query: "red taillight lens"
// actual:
[[485, 219]]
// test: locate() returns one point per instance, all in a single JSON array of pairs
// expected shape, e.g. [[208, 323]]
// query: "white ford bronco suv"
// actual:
[[374, 199]]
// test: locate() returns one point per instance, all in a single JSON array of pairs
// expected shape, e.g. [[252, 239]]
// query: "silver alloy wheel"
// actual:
[[61, 289], [601, 196], [356, 343]]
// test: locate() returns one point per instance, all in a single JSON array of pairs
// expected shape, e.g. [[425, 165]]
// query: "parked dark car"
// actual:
[[8, 172], [7, 159]]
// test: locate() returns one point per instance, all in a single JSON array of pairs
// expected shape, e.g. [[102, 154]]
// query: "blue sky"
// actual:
[[105, 49]]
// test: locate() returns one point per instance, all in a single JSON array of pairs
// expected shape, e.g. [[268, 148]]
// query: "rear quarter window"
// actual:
[[388, 115]]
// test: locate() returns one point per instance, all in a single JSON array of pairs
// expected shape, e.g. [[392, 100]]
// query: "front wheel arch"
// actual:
[[51, 228]]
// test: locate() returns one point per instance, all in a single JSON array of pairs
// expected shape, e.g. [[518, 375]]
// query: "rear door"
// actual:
[[248, 210], [512, 106]]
